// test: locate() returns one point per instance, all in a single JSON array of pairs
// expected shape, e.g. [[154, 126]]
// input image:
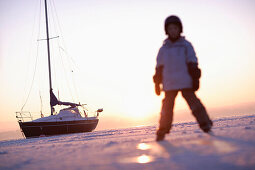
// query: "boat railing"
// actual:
[[93, 113], [24, 116]]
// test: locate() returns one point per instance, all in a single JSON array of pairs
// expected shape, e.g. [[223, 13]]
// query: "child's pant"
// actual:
[[197, 108]]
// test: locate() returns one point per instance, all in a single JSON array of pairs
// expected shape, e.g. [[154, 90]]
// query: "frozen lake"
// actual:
[[187, 147]]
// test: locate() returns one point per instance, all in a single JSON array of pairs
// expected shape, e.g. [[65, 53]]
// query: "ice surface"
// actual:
[[187, 147]]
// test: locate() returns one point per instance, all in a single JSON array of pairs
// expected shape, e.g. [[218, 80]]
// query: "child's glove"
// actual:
[[195, 74], [157, 89], [195, 84], [157, 78]]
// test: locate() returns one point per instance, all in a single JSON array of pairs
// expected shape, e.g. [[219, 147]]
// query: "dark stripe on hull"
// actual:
[[36, 129]]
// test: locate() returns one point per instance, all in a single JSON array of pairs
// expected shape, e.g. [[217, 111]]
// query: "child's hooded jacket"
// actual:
[[174, 58]]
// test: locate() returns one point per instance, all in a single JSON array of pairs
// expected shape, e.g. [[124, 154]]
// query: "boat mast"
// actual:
[[48, 47]]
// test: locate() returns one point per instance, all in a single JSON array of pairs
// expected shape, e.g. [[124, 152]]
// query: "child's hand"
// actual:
[[157, 89], [157, 78], [195, 84]]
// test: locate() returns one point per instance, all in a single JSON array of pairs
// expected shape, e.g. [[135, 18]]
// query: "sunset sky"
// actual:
[[108, 55]]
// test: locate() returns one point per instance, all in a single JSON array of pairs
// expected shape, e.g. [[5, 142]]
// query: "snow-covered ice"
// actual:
[[187, 147]]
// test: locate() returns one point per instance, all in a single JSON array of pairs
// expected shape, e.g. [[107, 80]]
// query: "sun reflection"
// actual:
[[214, 145], [224, 147], [143, 146], [144, 159], [148, 152]]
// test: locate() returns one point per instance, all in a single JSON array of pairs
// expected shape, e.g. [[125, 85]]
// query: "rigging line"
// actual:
[[75, 88], [72, 74], [66, 76], [61, 57], [54, 72], [36, 57], [55, 31], [41, 102], [63, 41], [61, 33], [53, 18], [66, 53], [30, 49], [32, 79], [41, 78], [38, 36], [70, 67]]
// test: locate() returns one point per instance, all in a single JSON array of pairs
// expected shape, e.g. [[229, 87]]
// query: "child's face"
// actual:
[[173, 31]]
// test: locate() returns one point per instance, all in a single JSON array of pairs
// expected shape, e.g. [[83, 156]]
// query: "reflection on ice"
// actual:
[[213, 145], [144, 159], [143, 146], [224, 147], [138, 159], [150, 152], [155, 149]]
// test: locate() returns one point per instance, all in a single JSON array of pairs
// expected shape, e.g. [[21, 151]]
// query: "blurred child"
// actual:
[[177, 70]]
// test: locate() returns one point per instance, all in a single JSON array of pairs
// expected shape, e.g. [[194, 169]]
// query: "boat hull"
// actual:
[[37, 129]]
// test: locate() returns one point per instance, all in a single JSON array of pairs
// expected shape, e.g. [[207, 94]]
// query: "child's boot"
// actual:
[[160, 135]]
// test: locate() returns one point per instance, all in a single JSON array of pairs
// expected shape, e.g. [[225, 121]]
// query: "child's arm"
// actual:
[[192, 64], [190, 53], [158, 76]]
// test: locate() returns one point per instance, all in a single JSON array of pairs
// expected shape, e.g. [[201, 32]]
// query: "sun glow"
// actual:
[[141, 107]]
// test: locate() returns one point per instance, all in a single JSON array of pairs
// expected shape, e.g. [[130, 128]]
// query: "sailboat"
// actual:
[[73, 119]]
